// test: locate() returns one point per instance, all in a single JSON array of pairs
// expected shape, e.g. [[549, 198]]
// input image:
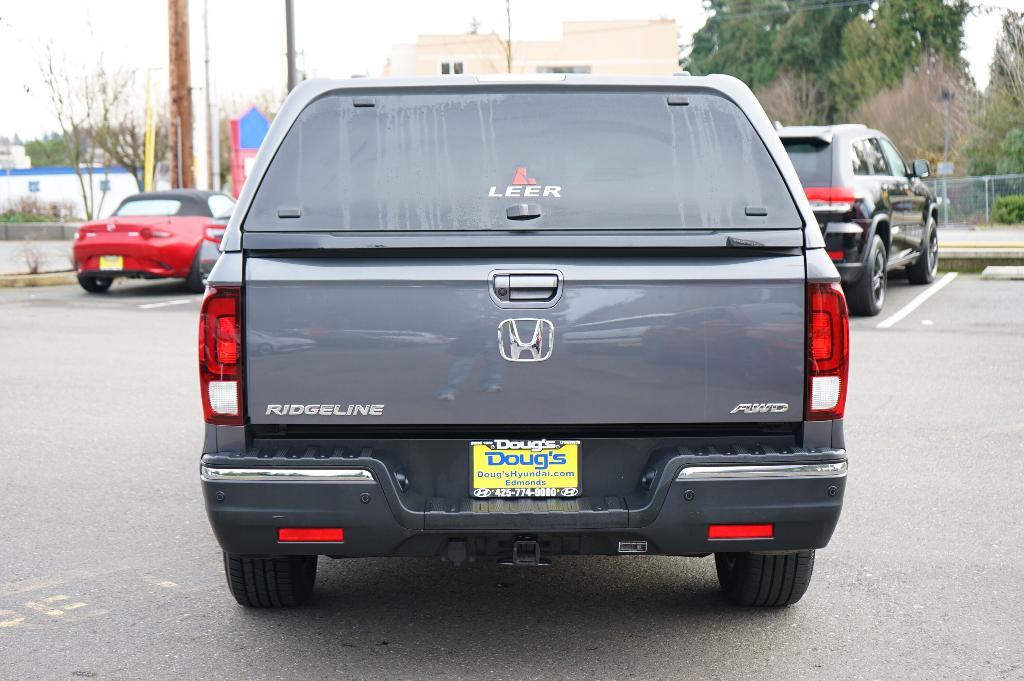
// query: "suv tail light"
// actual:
[[214, 234], [828, 351], [832, 199], [220, 356]]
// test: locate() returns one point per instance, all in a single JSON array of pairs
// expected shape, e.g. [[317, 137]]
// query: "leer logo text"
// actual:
[[525, 186]]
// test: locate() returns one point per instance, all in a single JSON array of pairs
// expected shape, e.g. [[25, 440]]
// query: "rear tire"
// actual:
[[280, 582], [194, 280], [751, 579], [923, 271], [95, 284], [867, 295]]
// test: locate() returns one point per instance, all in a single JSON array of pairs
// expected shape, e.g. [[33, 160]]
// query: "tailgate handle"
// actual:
[[532, 286], [536, 287]]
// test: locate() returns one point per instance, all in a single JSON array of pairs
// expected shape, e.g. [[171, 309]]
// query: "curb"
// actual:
[[986, 245], [977, 259], [998, 273], [38, 231], [42, 279]]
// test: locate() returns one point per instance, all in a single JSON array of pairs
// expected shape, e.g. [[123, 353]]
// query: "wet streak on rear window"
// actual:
[[589, 159]]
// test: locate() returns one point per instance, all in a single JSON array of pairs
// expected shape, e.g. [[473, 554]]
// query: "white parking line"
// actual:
[[917, 301], [166, 303]]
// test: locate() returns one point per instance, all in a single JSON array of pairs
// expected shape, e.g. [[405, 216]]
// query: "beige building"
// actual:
[[606, 47]]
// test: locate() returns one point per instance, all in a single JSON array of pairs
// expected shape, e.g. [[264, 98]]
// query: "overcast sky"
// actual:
[[335, 39]]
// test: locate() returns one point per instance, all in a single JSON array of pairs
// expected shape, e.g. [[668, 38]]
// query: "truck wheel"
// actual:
[[867, 295], [194, 280], [281, 582], [764, 580], [95, 284], [923, 271]]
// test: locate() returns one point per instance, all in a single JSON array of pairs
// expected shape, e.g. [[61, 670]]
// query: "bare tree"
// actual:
[[914, 115], [1008, 60], [121, 129], [101, 122], [77, 103], [794, 100]]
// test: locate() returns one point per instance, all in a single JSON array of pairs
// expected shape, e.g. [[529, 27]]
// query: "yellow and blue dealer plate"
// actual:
[[525, 468]]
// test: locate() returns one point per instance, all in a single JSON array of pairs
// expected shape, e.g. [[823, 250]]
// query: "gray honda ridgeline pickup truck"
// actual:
[[485, 318]]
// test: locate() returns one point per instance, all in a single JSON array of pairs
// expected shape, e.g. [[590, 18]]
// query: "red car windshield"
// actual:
[[150, 207]]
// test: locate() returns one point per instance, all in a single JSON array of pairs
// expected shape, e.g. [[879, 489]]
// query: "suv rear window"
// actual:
[[457, 161], [812, 160]]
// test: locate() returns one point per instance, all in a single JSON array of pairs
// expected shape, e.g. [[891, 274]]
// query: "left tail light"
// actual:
[[214, 234], [220, 356], [832, 199], [828, 352]]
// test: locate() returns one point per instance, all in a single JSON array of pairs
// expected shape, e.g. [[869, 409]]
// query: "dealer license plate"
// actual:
[[111, 262], [525, 468]]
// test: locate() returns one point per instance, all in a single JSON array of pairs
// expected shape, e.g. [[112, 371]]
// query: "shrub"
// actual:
[[31, 209], [1009, 210]]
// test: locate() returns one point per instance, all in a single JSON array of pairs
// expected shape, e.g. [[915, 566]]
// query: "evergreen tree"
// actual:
[[878, 50]]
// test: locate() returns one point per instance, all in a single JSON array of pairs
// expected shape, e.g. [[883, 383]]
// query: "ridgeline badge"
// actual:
[[325, 410]]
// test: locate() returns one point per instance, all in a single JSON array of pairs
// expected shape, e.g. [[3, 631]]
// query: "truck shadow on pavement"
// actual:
[[146, 287], [581, 616]]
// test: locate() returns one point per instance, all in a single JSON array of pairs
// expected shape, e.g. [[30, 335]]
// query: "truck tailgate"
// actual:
[[416, 341]]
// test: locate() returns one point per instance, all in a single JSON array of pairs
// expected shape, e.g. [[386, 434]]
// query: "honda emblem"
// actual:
[[526, 340]]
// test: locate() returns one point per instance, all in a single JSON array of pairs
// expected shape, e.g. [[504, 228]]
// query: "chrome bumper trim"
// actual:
[[835, 469], [300, 474]]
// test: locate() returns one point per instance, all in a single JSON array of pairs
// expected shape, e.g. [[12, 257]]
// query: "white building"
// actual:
[[60, 185], [13, 156]]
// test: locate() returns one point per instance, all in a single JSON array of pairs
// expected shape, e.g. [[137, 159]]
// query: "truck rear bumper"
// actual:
[[799, 500]]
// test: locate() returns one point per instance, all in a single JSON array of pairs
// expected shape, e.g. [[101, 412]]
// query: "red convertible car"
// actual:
[[151, 235]]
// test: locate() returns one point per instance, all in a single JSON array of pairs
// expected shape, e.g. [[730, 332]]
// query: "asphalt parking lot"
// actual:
[[108, 568]]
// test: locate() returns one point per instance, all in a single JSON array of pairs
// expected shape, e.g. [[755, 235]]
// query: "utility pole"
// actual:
[[211, 132], [289, 21], [149, 157], [946, 96], [181, 95]]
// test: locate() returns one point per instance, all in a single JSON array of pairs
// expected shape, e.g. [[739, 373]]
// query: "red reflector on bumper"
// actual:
[[335, 534], [764, 531], [836, 255]]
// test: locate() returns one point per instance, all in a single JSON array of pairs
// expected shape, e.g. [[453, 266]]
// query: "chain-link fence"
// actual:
[[969, 200]]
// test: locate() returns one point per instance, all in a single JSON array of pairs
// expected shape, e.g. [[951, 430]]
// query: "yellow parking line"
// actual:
[[981, 244], [10, 621], [165, 583], [39, 607]]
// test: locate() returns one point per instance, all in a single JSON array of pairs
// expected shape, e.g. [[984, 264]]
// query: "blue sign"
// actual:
[[252, 128], [33, 185]]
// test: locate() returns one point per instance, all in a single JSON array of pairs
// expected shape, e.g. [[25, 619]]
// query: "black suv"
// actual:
[[872, 207]]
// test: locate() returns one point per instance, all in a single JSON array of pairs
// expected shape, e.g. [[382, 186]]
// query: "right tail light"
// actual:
[[220, 356], [828, 351]]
